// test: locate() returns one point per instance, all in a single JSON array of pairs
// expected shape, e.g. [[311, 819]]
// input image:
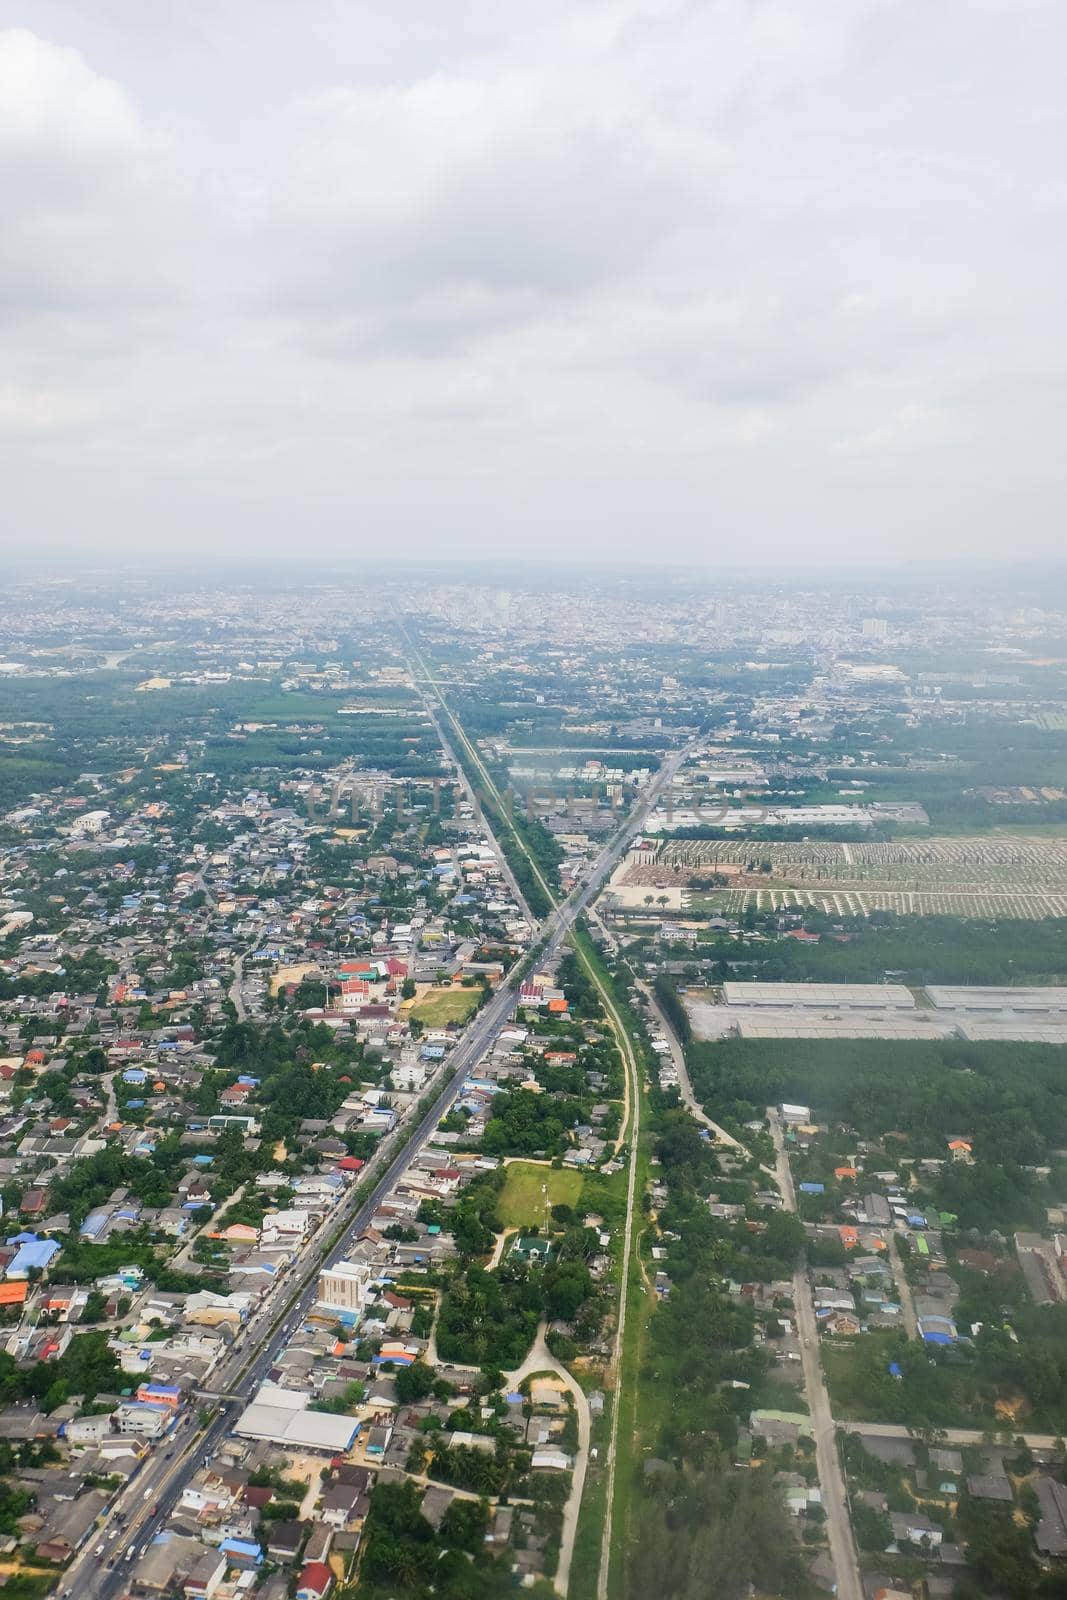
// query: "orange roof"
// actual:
[[845, 1172], [557, 1005], [849, 1237], [13, 1294], [959, 1144]]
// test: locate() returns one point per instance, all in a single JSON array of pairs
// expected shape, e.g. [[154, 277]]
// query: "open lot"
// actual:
[[522, 1200], [436, 1007]]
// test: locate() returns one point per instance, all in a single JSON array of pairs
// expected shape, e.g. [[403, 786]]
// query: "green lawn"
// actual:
[[522, 1204], [438, 1006]]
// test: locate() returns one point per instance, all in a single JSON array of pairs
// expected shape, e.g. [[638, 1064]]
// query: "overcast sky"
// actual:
[[734, 280]]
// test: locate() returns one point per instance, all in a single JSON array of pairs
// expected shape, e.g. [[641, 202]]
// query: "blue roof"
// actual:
[[242, 1547], [812, 1188], [38, 1254], [93, 1223]]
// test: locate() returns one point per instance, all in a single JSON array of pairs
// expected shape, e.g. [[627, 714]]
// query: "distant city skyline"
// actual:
[[769, 284]]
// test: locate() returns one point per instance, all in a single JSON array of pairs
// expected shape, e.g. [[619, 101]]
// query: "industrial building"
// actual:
[[281, 1416], [827, 996], [977, 997]]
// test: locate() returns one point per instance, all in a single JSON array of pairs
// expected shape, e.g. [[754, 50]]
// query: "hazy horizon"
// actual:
[[734, 284]]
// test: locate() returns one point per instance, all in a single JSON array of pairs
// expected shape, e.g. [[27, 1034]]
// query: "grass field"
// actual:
[[522, 1204], [438, 1006]]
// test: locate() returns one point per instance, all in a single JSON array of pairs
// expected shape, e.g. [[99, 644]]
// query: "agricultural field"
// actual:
[[523, 1200], [993, 875], [435, 1008]]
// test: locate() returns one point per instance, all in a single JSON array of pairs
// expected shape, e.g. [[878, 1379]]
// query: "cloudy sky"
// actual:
[[727, 280]]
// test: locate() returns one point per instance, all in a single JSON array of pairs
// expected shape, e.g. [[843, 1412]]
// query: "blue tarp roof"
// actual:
[[38, 1254]]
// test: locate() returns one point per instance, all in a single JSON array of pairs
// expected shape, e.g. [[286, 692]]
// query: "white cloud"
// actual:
[[596, 270]]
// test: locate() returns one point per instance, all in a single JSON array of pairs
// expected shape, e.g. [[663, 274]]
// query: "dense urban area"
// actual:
[[533, 1080]]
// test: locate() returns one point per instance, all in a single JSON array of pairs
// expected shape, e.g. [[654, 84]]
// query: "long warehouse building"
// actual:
[[977, 997], [825, 996]]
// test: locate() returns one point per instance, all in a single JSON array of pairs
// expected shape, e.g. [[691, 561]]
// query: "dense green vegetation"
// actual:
[[489, 1318], [403, 1556], [673, 1009], [1009, 1098], [85, 1368], [915, 950], [730, 1525]]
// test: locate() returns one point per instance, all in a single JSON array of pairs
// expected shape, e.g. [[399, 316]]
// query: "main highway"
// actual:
[[101, 1569]]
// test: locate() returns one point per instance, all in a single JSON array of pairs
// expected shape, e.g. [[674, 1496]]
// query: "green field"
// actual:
[[438, 1006], [522, 1204]]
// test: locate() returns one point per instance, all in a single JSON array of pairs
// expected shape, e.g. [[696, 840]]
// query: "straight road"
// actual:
[[894, 1430], [831, 1478]]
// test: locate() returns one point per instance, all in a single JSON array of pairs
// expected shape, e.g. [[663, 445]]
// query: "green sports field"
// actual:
[[522, 1203]]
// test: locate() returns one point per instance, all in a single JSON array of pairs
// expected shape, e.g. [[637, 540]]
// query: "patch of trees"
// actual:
[[725, 1529], [489, 1319], [672, 1007], [86, 1367], [524, 1122], [1011, 1097], [920, 949]]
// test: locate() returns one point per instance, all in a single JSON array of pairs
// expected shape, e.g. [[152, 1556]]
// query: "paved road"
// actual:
[[893, 1430], [236, 990], [831, 1478], [468, 791]]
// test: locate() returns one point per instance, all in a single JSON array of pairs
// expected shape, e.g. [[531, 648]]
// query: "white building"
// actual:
[[345, 1286]]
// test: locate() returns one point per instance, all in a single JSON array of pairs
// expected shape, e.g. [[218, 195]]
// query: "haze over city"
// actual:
[[648, 280]]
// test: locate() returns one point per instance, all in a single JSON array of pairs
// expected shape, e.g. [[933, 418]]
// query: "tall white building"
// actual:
[[343, 1287]]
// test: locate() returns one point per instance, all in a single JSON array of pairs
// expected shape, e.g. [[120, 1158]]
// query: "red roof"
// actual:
[[317, 1576], [350, 1163]]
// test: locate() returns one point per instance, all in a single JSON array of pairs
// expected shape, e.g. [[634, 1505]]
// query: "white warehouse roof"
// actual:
[[975, 997], [281, 1416], [833, 996]]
